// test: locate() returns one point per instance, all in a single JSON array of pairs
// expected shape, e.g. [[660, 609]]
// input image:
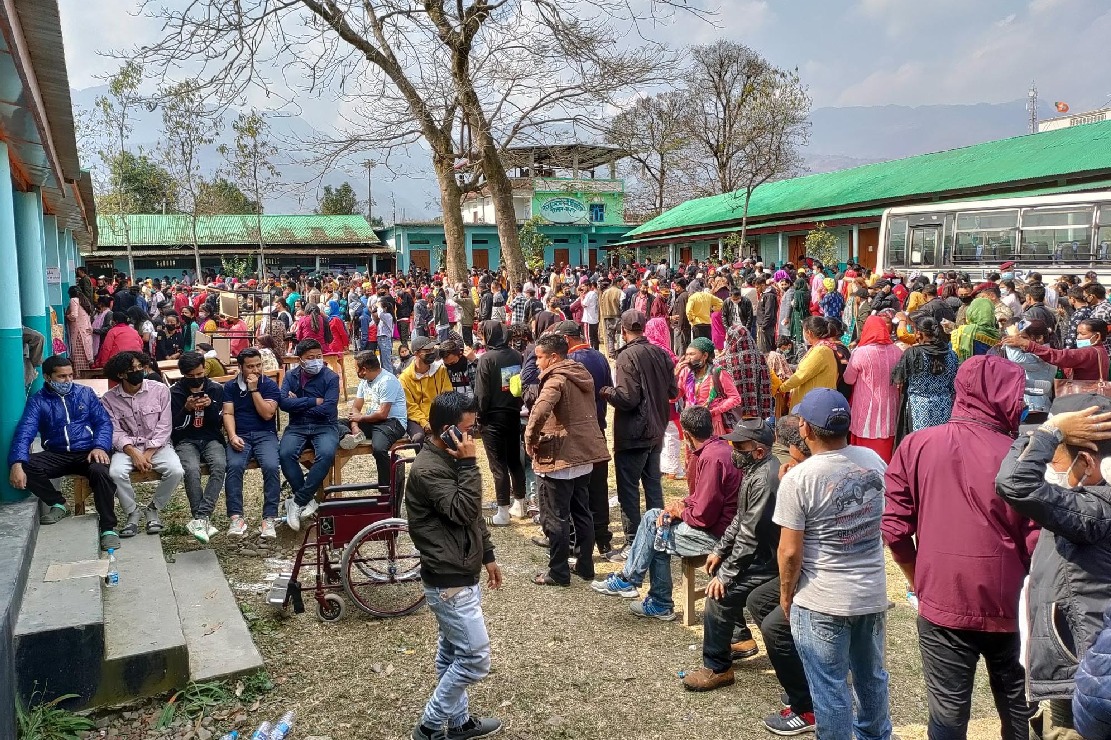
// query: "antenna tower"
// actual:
[[1032, 106]]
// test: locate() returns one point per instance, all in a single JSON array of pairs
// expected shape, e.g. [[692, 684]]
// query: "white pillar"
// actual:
[[721, 248], [781, 260], [373, 264], [854, 254], [671, 255]]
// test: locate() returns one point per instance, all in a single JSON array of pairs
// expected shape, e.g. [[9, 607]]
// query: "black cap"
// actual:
[[755, 430]]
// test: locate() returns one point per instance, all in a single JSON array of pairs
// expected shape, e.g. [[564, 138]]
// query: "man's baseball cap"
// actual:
[[633, 320], [826, 408], [755, 430], [568, 329], [420, 343]]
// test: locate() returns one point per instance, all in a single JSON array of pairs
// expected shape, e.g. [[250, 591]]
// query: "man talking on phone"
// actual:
[[443, 502]]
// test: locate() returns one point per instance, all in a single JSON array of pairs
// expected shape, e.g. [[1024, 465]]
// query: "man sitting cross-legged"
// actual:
[[76, 435], [695, 524], [378, 413], [310, 395]]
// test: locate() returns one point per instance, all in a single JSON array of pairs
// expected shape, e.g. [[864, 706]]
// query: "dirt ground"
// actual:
[[567, 663]]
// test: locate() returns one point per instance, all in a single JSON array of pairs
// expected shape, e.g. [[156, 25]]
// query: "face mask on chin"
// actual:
[[1057, 477]]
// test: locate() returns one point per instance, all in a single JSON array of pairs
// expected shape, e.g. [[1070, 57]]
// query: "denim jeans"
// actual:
[[262, 446], [831, 647], [462, 653], [633, 467], [192, 452], [385, 353], [686, 541], [324, 439]]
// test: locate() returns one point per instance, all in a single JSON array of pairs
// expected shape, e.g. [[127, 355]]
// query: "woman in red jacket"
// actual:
[[122, 337], [1089, 361]]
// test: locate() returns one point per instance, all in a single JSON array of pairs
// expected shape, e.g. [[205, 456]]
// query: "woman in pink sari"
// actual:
[[875, 400], [658, 333], [79, 324]]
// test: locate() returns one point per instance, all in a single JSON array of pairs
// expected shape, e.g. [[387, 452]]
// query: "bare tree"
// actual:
[[653, 132], [187, 127], [467, 80], [250, 159]]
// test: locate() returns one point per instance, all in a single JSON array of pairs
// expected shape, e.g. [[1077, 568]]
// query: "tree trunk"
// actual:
[[744, 221], [505, 215], [196, 249], [450, 201]]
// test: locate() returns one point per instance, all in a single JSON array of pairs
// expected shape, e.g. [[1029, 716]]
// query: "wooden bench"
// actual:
[[82, 491], [691, 592]]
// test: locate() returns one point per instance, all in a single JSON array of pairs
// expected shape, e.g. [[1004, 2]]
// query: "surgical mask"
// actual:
[[696, 365], [135, 377], [1057, 477], [196, 382], [210, 355], [1105, 468], [1004, 292], [742, 460], [312, 367], [1008, 276], [1083, 342], [61, 387]]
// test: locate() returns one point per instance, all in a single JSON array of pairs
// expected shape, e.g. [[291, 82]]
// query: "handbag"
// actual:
[[1068, 386], [728, 418]]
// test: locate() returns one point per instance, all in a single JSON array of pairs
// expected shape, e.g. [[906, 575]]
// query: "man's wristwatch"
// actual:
[[1050, 428]]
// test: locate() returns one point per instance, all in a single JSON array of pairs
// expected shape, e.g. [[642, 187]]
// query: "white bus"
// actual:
[[1051, 234]]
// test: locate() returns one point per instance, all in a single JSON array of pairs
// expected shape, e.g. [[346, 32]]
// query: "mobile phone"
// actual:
[[449, 437]]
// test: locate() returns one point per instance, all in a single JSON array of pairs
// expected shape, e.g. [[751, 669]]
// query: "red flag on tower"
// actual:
[[1062, 107]]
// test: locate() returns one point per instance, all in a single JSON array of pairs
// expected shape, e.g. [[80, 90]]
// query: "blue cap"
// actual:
[[826, 408]]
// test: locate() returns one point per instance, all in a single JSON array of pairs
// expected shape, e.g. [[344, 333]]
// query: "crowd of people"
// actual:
[[815, 416]]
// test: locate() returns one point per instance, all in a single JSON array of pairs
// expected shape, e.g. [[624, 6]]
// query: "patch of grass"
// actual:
[[45, 720], [194, 701], [258, 624], [252, 687]]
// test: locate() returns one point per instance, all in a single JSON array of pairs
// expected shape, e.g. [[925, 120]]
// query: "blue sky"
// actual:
[[850, 52]]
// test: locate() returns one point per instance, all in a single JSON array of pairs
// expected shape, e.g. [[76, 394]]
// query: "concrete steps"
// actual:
[[220, 645], [163, 626], [19, 526], [59, 636]]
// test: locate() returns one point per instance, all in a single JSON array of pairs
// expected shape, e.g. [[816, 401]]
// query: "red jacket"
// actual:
[[340, 337], [1086, 363], [120, 338], [713, 482], [973, 550]]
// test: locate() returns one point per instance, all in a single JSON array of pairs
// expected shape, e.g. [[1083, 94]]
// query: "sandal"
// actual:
[[491, 523], [545, 579]]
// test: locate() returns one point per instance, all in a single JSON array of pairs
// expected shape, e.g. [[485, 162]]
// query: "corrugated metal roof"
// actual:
[[176, 230], [1079, 151]]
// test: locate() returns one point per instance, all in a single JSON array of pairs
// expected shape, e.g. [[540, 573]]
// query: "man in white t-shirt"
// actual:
[[590, 314], [378, 413], [831, 564]]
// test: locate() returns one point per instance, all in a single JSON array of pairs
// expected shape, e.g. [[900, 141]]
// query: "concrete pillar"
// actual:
[[854, 248], [51, 237], [317, 263], [468, 246], [781, 259], [373, 264], [721, 248], [32, 272], [12, 391]]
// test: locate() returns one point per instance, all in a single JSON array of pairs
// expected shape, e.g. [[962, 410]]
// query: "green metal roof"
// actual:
[[1078, 151], [175, 230]]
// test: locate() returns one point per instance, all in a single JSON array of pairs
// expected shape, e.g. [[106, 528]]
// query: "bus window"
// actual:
[[896, 243], [985, 236], [923, 245], [1057, 236], [1103, 234]]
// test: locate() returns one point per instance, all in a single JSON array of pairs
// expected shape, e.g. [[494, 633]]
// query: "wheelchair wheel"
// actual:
[[330, 609], [381, 570]]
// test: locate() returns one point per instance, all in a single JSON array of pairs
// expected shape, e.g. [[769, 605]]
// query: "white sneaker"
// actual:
[[212, 531], [517, 508], [293, 515], [351, 441], [198, 528], [237, 527], [308, 511], [267, 530], [502, 518]]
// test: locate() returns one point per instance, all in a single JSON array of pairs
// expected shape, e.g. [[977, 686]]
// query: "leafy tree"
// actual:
[[339, 201], [533, 242], [236, 266], [821, 245], [250, 159], [140, 185], [220, 196]]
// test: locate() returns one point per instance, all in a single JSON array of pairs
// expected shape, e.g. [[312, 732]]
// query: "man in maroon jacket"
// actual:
[[972, 552], [688, 528]]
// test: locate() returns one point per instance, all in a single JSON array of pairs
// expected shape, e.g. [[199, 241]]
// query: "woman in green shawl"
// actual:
[[980, 332], [800, 310]]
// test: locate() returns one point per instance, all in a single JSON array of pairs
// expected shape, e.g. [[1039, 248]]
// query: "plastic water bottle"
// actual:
[[113, 578], [285, 724], [263, 732], [912, 599], [233, 735], [663, 535]]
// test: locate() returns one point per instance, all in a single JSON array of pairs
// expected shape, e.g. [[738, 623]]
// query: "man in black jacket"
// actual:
[[1070, 571], [443, 503], [485, 302], [744, 558], [767, 313], [642, 402], [499, 412], [196, 407]]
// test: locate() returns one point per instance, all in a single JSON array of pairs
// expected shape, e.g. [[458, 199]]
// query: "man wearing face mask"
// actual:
[[142, 422], [171, 341], [196, 406], [423, 380], [963, 551], [743, 559], [310, 395], [1058, 477], [76, 435]]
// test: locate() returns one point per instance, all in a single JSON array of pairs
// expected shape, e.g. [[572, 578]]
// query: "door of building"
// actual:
[[480, 259], [420, 259], [686, 254], [562, 256], [868, 241], [796, 248]]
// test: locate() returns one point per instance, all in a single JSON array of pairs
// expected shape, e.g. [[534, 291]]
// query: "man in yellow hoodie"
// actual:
[[700, 304], [424, 379]]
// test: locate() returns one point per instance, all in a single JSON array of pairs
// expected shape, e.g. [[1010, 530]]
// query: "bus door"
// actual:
[[924, 241]]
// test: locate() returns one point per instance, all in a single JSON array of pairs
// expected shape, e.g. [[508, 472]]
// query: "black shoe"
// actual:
[[475, 727], [540, 541], [420, 732]]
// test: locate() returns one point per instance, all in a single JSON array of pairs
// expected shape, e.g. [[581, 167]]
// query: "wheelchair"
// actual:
[[357, 544]]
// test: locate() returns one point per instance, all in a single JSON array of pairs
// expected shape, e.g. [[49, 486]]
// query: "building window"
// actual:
[[597, 212]]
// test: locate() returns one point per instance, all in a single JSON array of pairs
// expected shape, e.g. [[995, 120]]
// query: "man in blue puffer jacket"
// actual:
[[1091, 704], [76, 436]]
